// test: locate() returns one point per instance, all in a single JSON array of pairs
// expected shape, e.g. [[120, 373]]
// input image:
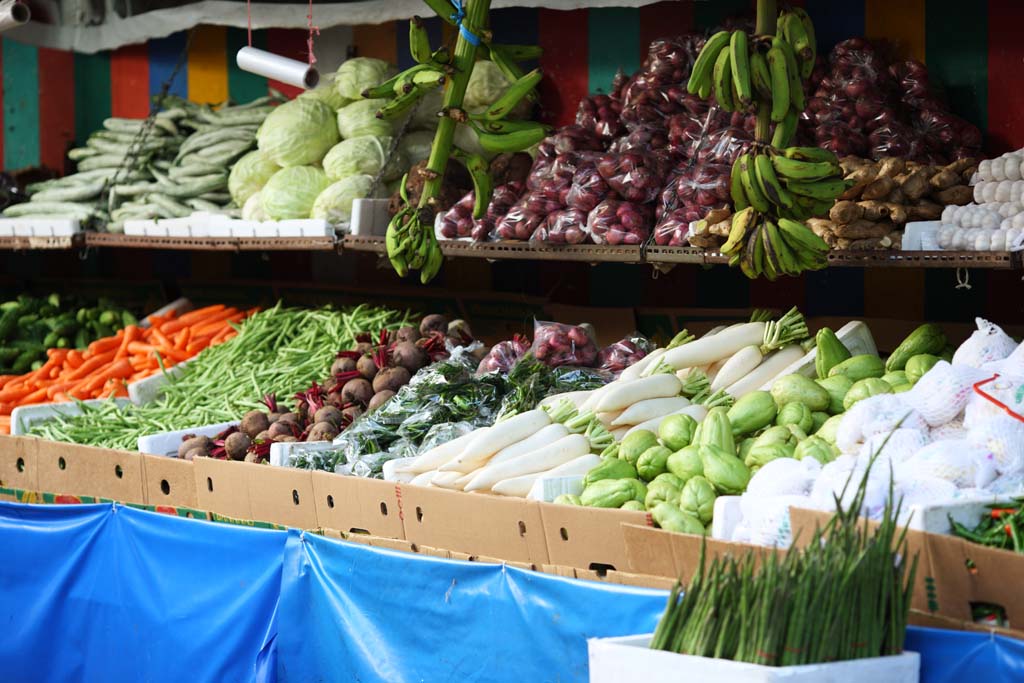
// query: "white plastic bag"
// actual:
[[942, 393], [767, 519], [958, 462], [925, 490], [783, 477], [894, 447], [844, 472], [875, 415], [1003, 438], [986, 344]]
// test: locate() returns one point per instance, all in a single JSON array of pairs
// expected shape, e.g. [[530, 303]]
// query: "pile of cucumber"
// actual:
[[31, 325]]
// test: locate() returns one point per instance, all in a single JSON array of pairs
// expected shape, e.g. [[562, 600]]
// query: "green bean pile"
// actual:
[[280, 351], [181, 166]]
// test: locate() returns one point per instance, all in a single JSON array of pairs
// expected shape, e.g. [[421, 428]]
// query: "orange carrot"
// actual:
[[94, 363], [106, 344], [183, 339], [199, 313], [170, 354], [58, 388], [60, 397], [140, 348], [15, 393], [74, 358], [160, 338], [37, 396], [131, 333]]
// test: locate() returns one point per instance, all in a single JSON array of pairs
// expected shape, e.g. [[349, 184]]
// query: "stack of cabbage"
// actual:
[[323, 150]]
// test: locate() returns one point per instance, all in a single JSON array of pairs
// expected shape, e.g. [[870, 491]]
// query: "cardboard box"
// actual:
[[18, 463], [357, 505], [85, 470], [281, 495], [613, 660], [169, 481], [509, 528], [588, 538], [668, 554], [222, 487]]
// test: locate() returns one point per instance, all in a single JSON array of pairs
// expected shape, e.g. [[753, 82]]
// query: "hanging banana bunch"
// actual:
[[774, 187], [410, 241]]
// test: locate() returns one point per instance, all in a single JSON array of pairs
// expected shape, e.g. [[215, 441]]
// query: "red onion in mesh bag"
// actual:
[[670, 60], [588, 189], [503, 198], [618, 222], [719, 147], [672, 228], [517, 224], [457, 222], [641, 139], [618, 356], [504, 355], [544, 201], [704, 185], [633, 176], [619, 84], [841, 139], [600, 114], [569, 139], [555, 345], [894, 140], [647, 102], [568, 226]]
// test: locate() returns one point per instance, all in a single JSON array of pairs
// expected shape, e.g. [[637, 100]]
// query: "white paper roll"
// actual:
[[290, 71], [13, 13]]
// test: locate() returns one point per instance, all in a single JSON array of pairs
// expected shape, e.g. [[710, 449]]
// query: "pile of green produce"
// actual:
[[31, 325], [1001, 527], [846, 595], [277, 351], [441, 402], [677, 473]]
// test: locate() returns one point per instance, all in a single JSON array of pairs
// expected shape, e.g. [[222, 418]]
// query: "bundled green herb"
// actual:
[[844, 596], [277, 351]]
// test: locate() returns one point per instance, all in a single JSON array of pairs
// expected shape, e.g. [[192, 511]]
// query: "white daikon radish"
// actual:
[[445, 480], [505, 433], [439, 455], [423, 479], [574, 397], [697, 412], [650, 409], [546, 458], [608, 418], [713, 331], [655, 386], [741, 364], [711, 371], [461, 482], [597, 394], [392, 470], [707, 350], [543, 437], [520, 486], [764, 373], [635, 370]]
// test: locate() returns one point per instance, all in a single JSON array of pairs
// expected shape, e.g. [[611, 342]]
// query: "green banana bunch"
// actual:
[[483, 184], [761, 246], [724, 67], [525, 135], [512, 96], [796, 182], [798, 30], [419, 41]]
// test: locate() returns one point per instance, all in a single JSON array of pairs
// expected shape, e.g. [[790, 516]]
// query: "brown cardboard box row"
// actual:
[[511, 529], [952, 574]]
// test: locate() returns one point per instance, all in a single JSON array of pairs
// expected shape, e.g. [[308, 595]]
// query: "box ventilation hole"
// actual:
[[330, 501], [384, 508], [118, 472], [419, 514], [564, 534], [209, 483], [165, 487], [21, 464], [522, 529], [61, 463], [295, 496]]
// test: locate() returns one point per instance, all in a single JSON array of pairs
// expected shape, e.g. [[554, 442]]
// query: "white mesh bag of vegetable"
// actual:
[[958, 462], [874, 415], [334, 203], [298, 132], [249, 175], [768, 518], [290, 192], [986, 344], [950, 430], [359, 73], [921, 489], [360, 118], [784, 477], [364, 155], [893, 448], [942, 393], [1003, 437], [843, 472]]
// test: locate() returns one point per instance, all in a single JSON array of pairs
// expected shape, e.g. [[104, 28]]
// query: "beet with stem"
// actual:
[[391, 379], [409, 356], [407, 334], [367, 367], [357, 391], [236, 445], [254, 422], [328, 414], [379, 399], [322, 431], [435, 322], [201, 443]]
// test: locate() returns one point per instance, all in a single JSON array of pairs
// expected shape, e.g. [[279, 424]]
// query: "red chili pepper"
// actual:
[[999, 512], [1006, 529]]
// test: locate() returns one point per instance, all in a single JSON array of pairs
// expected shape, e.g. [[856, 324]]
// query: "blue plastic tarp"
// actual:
[[110, 593]]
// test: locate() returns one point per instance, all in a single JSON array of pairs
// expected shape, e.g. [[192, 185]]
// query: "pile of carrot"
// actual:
[[108, 365]]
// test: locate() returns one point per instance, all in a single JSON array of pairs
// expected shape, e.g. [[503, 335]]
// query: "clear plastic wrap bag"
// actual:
[[457, 222], [672, 228], [641, 139], [634, 176], [616, 357], [588, 189], [503, 199], [697, 190], [544, 202], [721, 146], [894, 139], [569, 139], [557, 344], [784, 477], [504, 355], [601, 114], [565, 226], [617, 222], [517, 224], [841, 139], [670, 60]]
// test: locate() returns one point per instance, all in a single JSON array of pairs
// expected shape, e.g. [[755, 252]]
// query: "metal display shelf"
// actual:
[[103, 239], [27, 243]]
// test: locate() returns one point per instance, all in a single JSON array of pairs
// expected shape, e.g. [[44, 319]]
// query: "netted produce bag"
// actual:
[[558, 344], [986, 344], [569, 139], [784, 477], [619, 355], [920, 489], [565, 226], [766, 520], [958, 462], [943, 392], [892, 448], [634, 176], [457, 222], [841, 479], [503, 199], [588, 189], [1001, 436], [641, 139], [618, 222], [698, 190], [518, 223]]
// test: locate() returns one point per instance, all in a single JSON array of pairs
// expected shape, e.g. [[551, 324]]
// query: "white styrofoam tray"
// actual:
[[152, 387], [855, 335], [166, 443], [369, 217], [629, 658], [39, 226], [23, 417], [179, 306], [932, 518], [281, 453]]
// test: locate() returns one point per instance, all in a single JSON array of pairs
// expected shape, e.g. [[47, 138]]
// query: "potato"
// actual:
[[846, 212], [924, 210], [958, 194], [863, 229]]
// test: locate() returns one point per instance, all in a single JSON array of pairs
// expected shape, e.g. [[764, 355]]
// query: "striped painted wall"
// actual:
[[52, 98]]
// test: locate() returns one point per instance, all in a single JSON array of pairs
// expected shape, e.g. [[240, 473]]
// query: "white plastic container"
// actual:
[[629, 658], [281, 453], [855, 335], [549, 488], [369, 217], [166, 443], [23, 417]]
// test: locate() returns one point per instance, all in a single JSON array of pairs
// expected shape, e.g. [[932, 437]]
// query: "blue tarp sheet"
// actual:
[[110, 593]]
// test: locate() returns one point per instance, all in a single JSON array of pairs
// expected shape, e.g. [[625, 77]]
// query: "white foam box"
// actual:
[[138, 228], [166, 443], [370, 217], [855, 335], [23, 228], [932, 518], [179, 306], [219, 229], [152, 387], [265, 229], [921, 236], [7, 227], [281, 453], [24, 417], [243, 229], [629, 658], [176, 227]]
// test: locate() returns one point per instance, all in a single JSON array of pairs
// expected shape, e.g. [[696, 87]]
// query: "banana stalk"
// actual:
[[766, 25]]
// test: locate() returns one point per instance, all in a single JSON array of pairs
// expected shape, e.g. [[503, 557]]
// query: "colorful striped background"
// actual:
[[51, 98]]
